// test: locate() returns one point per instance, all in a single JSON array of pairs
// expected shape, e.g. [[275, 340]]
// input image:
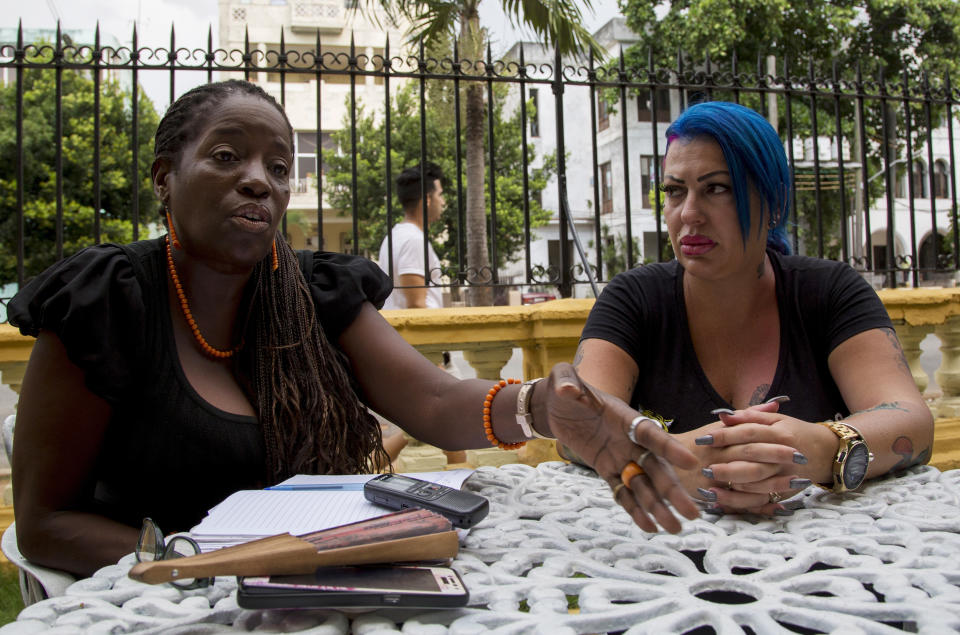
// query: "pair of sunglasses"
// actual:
[[151, 546]]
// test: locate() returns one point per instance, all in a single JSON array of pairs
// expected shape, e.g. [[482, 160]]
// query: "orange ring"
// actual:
[[629, 471]]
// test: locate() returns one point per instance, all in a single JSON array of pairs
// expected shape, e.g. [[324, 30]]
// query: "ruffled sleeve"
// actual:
[[340, 284], [93, 302]]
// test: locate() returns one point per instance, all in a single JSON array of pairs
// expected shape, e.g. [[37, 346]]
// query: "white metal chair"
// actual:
[[36, 582]]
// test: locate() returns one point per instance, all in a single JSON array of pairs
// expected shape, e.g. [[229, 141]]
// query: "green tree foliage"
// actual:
[[916, 40], [39, 150], [894, 35], [440, 148]]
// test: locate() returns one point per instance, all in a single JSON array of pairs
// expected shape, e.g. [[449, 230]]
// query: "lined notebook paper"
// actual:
[[250, 514]]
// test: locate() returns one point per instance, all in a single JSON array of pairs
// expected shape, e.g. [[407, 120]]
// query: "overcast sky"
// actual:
[[192, 18]]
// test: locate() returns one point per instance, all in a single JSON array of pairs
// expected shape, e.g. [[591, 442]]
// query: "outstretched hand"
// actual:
[[595, 425]]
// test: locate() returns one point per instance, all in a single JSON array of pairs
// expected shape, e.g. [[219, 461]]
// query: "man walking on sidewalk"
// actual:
[[408, 238]]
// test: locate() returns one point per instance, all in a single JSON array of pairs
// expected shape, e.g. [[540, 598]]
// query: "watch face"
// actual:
[[855, 467]]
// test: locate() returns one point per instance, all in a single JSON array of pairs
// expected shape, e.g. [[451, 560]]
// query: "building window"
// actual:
[[606, 189], [303, 178], [535, 117], [603, 117], [239, 14], [899, 182], [941, 180], [645, 105], [553, 258], [646, 178], [919, 179]]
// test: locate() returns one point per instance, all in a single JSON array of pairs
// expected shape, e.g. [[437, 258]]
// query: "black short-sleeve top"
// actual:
[[167, 453], [821, 304]]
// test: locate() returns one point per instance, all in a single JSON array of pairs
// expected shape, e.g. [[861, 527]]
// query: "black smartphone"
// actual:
[[463, 509], [346, 587]]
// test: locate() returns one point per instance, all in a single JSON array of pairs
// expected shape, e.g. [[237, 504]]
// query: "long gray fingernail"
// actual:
[[715, 509], [722, 411], [706, 439], [799, 458], [793, 505], [783, 512], [710, 496], [800, 483], [778, 399], [707, 472]]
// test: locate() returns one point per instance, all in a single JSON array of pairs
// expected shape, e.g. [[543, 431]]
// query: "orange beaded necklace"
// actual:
[[208, 350]]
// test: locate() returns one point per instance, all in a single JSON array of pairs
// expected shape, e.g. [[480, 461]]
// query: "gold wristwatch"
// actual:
[[853, 457]]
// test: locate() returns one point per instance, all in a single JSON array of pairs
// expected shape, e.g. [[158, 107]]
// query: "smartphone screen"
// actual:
[[383, 586], [372, 579]]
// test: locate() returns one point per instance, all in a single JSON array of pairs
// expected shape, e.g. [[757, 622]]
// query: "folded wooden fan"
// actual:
[[406, 536]]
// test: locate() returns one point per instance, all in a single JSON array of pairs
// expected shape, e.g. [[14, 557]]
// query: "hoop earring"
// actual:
[[172, 232], [276, 260]]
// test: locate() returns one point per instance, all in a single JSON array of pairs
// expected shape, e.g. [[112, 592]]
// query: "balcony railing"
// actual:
[[856, 199], [548, 333]]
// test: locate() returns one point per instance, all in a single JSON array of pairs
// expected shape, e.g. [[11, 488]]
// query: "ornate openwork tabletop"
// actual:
[[557, 556]]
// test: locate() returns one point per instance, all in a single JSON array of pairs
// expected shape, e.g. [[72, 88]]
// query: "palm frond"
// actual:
[[557, 23], [428, 18]]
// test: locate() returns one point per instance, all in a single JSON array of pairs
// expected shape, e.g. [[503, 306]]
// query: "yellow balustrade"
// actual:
[[548, 333]]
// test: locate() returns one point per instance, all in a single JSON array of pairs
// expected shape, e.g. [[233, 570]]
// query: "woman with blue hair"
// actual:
[[745, 347]]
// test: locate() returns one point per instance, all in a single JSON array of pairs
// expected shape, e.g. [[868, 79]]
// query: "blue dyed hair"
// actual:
[[754, 155]]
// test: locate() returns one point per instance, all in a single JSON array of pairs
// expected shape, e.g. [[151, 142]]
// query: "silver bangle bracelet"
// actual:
[[524, 416]]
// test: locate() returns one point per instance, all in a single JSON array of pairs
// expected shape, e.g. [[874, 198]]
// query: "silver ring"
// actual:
[[643, 457], [632, 432]]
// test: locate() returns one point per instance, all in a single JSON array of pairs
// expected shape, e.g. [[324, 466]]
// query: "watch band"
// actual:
[[524, 416], [849, 437]]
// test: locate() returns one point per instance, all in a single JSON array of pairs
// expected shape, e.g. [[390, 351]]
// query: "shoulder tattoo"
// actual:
[[899, 357], [578, 357]]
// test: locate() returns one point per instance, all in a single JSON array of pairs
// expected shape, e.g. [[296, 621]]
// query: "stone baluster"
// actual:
[[910, 337], [488, 360], [948, 375], [11, 374]]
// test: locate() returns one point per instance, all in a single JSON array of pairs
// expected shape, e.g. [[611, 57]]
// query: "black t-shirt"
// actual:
[[167, 453], [821, 304]]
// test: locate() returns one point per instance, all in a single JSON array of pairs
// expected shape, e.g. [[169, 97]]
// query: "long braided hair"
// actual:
[[309, 414]]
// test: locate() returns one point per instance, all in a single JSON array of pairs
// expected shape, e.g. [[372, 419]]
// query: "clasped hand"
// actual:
[[595, 425], [750, 459]]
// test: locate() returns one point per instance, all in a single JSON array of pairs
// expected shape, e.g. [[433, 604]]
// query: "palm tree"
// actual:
[[557, 23]]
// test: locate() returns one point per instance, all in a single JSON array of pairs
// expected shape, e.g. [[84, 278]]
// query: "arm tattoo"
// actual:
[[578, 357], [903, 447], [757, 397], [887, 405], [901, 359]]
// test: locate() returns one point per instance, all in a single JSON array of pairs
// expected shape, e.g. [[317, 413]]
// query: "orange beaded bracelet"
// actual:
[[488, 420]]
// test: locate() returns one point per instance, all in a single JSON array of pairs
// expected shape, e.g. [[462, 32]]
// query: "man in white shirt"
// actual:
[[408, 265]]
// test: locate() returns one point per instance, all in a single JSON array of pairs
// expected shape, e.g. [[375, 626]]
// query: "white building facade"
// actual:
[[614, 181], [626, 150], [313, 101]]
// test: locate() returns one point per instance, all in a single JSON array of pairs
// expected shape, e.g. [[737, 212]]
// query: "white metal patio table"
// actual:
[[557, 556]]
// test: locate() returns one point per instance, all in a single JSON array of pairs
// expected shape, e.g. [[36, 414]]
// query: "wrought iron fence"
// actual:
[[873, 159]]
